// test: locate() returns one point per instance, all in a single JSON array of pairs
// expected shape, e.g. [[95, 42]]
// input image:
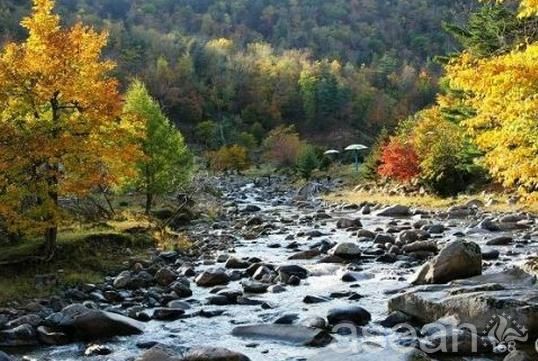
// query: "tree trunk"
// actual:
[[51, 233], [149, 202], [51, 236]]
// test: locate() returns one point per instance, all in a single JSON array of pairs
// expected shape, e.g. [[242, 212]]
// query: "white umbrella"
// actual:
[[331, 151], [355, 148]]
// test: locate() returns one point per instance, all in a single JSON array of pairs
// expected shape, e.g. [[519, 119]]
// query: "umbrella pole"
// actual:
[[356, 161]]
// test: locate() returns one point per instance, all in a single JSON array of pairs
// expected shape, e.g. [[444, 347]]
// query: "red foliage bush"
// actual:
[[399, 161]]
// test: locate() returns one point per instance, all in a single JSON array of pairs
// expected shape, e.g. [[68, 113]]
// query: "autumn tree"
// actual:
[[229, 158], [61, 134], [399, 161], [501, 89], [167, 162]]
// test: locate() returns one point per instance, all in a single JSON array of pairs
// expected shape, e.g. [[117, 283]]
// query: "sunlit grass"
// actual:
[[500, 203], [85, 254]]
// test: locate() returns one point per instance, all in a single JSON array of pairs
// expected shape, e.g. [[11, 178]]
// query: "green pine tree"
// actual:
[[307, 161], [168, 162]]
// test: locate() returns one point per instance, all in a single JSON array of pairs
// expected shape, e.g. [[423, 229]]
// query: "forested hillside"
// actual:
[[236, 69]]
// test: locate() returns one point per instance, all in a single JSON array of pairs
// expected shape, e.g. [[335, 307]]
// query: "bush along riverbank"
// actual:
[[280, 275]]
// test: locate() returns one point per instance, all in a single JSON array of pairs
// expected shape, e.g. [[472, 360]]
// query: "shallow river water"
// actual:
[[377, 280]]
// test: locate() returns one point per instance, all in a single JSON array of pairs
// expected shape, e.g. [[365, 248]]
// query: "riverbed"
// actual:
[[285, 221]]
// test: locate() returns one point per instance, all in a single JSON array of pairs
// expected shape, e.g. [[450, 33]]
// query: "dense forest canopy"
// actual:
[[247, 66]]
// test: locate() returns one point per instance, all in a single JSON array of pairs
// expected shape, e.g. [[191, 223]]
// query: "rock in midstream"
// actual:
[[476, 300], [458, 259], [297, 335], [82, 323]]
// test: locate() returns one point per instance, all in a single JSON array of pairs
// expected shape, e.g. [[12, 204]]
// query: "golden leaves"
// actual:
[[504, 92], [62, 111]]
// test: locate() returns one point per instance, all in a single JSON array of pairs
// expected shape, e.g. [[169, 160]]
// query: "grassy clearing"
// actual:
[[500, 203], [85, 255]]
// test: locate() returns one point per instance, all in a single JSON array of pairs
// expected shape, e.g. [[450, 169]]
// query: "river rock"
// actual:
[[458, 259], [421, 246], [347, 250], [86, 324], [251, 208], [251, 286], [23, 335], [287, 271], [500, 241], [395, 318], [364, 233], [181, 289], [490, 254], [122, 280], [348, 223], [165, 276], [179, 304], [129, 280], [296, 335], [349, 314], [476, 300], [236, 263], [395, 211], [212, 277], [308, 254], [168, 314], [314, 322], [31, 319], [214, 354], [159, 353]]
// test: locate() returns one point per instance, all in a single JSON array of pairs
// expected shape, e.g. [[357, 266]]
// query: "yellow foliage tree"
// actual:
[[503, 90], [232, 157], [61, 134]]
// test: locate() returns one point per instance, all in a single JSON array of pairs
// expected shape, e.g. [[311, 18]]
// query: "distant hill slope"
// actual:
[[383, 47]]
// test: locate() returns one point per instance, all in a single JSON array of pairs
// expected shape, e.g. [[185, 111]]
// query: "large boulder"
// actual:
[[296, 335], [480, 300], [458, 259], [213, 354], [85, 324], [212, 277]]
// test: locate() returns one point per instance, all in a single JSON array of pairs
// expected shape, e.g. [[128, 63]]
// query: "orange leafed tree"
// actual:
[[399, 161], [61, 134]]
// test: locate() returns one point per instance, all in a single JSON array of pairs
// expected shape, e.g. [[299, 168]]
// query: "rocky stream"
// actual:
[[295, 278]]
